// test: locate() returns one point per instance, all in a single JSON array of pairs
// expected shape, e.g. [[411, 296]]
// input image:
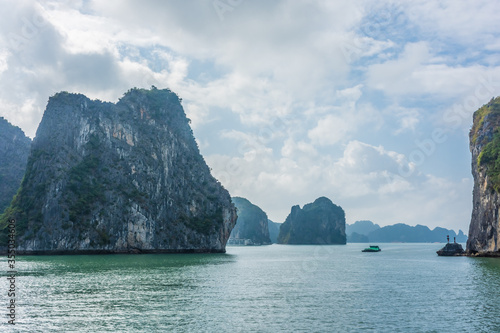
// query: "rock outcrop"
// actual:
[[484, 229], [251, 223], [124, 177], [451, 249], [320, 222], [14, 151]]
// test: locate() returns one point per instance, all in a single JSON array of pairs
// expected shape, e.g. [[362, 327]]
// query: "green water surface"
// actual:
[[277, 288]]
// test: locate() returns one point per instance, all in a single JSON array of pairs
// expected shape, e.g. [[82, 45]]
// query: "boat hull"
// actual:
[[372, 248]]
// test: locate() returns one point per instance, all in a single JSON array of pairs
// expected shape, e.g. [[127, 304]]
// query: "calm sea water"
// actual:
[[277, 288]]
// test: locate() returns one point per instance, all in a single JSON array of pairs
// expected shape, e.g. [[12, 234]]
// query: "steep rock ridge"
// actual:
[[251, 223], [401, 232], [320, 222], [125, 177], [367, 231], [484, 229], [14, 151], [363, 227]]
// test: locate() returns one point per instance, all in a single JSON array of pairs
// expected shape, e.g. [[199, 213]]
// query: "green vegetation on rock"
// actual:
[[490, 112], [85, 184], [26, 205], [489, 157]]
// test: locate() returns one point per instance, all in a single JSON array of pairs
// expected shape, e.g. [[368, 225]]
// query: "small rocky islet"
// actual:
[[451, 249]]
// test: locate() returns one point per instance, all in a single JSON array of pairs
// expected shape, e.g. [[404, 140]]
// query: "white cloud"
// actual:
[[340, 121], [467, 23], [350, 94], [4, 55], [407, 118], [366, 169], [415, 73], [293, 149], [396, 75], [330, 130]]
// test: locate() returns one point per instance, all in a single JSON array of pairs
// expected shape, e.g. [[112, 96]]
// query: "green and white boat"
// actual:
[[372, 248]]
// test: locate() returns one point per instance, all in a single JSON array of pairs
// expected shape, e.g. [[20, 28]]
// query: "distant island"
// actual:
[[320, 222], [250, 230], [251, 226], [367, 231]]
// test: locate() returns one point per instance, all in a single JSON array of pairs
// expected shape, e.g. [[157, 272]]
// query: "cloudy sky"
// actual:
[[368, 103]]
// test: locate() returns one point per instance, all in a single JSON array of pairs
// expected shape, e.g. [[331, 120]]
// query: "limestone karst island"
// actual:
[[124, 177], [484, 230]]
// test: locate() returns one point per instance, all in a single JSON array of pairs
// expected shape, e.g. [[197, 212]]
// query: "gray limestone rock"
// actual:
[[451, 249], [14, 151], [484, 229], [251, 223], [124, 177], [320, 222]]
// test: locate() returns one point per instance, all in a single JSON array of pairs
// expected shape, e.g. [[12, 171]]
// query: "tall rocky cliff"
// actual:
[[14, 151], [484, 229], [124, 177], [320, 222], [251, 223]]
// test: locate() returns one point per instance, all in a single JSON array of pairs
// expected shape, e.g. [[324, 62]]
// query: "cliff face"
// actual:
[[125, 177], [251, 223], [484, 230], [14, 151], [320, 222]]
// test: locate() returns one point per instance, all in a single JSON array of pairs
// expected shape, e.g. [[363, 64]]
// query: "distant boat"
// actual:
[[372, 248]]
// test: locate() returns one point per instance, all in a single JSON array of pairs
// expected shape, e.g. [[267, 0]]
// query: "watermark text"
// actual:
[[11, 272]]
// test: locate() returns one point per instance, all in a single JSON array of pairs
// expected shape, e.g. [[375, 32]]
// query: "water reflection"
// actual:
[[122, 262], [484, 279]]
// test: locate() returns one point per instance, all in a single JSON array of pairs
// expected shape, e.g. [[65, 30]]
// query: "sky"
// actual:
[[367, 103]]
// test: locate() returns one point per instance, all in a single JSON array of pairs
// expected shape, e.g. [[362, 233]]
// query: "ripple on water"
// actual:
[[406, 287]]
